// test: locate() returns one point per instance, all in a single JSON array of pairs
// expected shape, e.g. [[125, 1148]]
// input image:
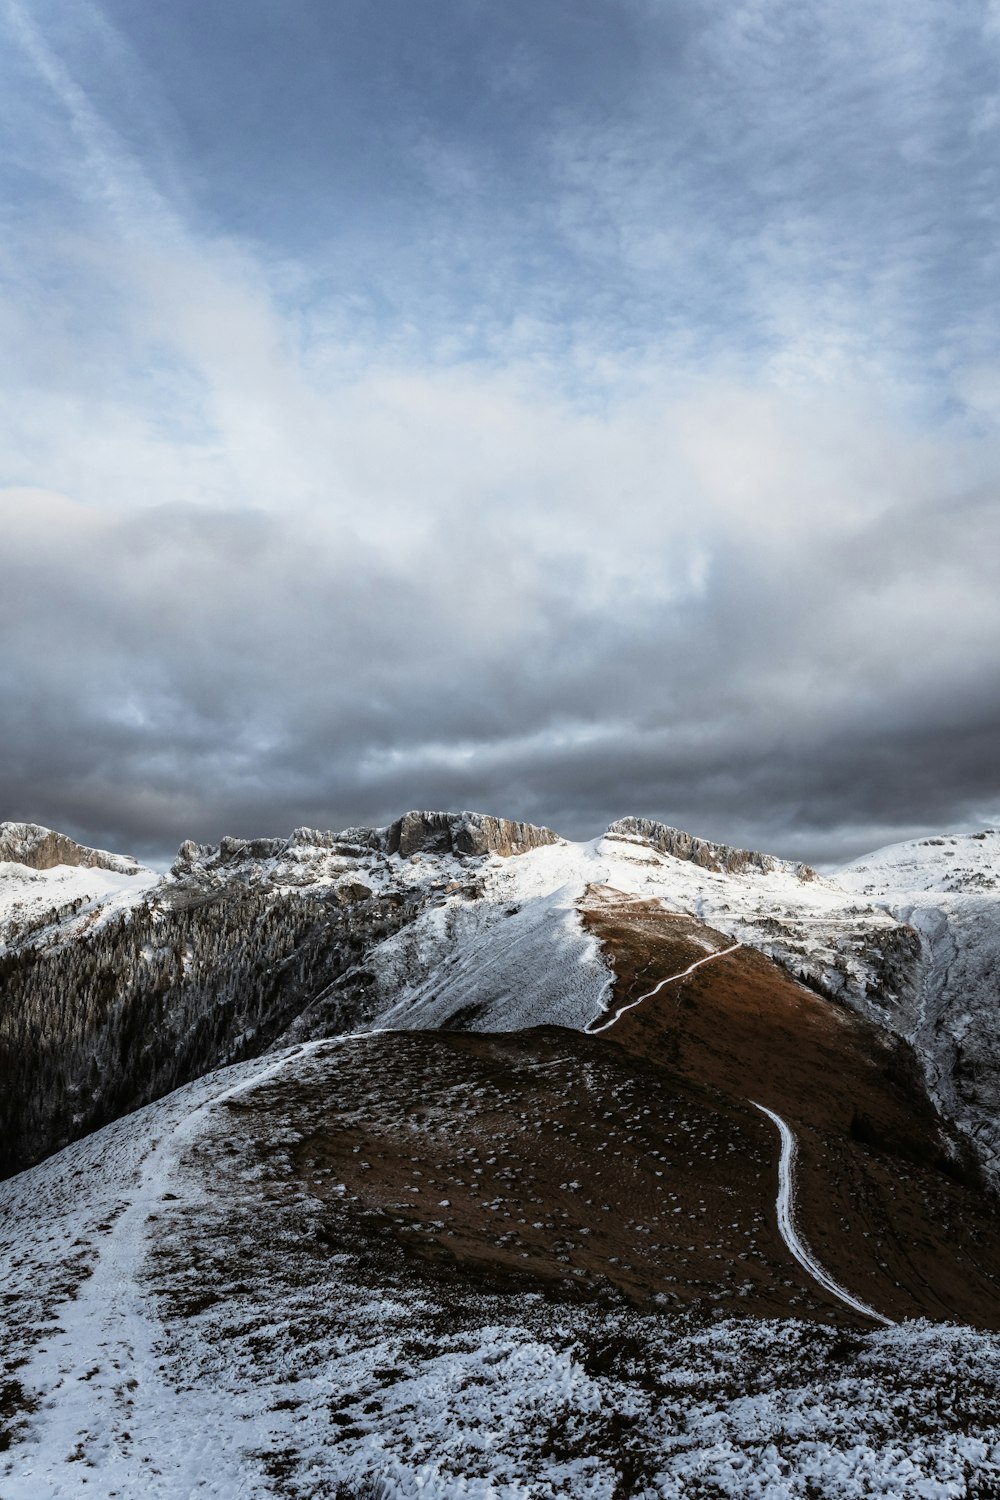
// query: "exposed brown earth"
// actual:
[[633, 1162], [550, 1160], [885, 1199]]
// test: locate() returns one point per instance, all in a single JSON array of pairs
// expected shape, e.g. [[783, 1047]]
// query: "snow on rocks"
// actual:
[[58, 903], [947, 890], [41, 848]]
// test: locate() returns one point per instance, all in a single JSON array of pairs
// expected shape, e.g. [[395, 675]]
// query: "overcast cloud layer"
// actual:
[[564, 410]]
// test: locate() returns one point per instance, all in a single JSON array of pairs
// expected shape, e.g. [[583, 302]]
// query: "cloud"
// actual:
[[559, 616], [638, 508]]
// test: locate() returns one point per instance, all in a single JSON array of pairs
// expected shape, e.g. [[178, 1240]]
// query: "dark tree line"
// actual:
[[115, 1018]]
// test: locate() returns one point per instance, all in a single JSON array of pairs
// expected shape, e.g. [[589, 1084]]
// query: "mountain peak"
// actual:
[[41, 848], [702, 852], [463, 833], [416, 832]]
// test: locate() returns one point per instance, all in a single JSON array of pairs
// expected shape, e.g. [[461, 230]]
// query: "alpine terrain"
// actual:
[[453, 1158]]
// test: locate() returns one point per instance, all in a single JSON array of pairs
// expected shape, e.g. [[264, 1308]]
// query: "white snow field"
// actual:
[[184, 1319], [65, 900]]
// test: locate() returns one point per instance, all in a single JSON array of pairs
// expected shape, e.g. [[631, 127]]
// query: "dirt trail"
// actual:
[[886, 1198], [785, 1203], [785, 1208], [661, 984]]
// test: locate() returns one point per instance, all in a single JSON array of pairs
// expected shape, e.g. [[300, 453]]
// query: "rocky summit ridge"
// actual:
[[464, 834], [41, 848], [444, 833], [702, 852]]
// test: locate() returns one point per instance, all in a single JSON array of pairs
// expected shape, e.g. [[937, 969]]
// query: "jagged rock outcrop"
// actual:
[[466, 833], [702, 852], [41, 848], [463, 833]]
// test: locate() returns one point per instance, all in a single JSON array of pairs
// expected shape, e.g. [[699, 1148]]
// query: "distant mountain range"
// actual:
[[549, 1096]]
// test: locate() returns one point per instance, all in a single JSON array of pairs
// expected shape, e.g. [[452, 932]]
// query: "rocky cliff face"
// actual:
[[41, 849], [431, 833], [463, 833], [702, 852]]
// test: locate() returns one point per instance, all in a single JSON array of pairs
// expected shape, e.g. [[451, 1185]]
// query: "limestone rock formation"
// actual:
[[463, 833], [40, 848], [431, 833], [702, 852]]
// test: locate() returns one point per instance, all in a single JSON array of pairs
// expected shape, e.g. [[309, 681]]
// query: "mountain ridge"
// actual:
[[41, 848], [460, 919], [377, 1141]]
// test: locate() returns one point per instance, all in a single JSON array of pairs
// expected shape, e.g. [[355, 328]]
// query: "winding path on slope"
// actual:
[[709, 958], [786, 1222], [785, 1203]]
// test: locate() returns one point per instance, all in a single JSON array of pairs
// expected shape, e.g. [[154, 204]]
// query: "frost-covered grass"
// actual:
[[188, 1315]]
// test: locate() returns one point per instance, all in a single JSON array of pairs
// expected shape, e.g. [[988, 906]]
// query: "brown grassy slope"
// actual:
[[550, 1161], [879, 1202]]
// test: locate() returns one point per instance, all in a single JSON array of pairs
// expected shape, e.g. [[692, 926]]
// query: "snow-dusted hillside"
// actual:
[[962, 864], [132, 984], [199, 1301], [517, 954], [467, 921], [947, 889], [486, 1205], [47, 880]]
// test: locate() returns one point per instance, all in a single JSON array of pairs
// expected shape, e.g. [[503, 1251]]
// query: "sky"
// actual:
[[562, 410]]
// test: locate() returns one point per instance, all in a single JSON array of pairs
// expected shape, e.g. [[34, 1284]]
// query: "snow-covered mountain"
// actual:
[[638, 1166], [46, 877], [119, 987], [140, 982], [947, 890], [39, 848]]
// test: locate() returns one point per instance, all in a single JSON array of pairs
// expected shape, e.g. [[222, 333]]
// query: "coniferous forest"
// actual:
[[156, 996]]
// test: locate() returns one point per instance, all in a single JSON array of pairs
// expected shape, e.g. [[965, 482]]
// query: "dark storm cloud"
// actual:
[[177, 671], [567, 411]]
